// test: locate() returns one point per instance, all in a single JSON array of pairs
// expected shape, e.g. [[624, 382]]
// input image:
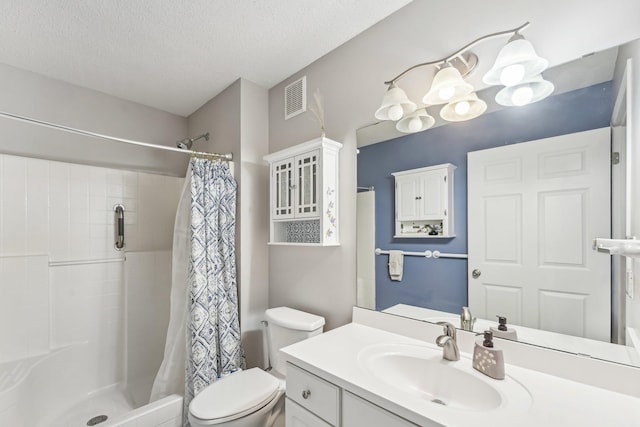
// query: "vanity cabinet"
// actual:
[[314, 402], [424, 202], [304, 194], [357, 412]]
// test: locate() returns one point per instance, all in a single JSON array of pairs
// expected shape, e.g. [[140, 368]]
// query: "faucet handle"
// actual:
[[448, 329]]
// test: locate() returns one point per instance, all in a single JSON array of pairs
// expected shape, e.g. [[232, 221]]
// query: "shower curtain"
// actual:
[[203, 340]]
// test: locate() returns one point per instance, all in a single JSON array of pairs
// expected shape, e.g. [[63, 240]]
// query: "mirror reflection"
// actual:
[[530, 190]]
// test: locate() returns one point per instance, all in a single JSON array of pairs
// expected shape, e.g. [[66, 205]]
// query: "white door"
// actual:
[[408, 193], [533, 211], [432, 185]]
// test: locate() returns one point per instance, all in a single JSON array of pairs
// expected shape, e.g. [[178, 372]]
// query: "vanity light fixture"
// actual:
[[516, 62], [529, 91], [463, 108], [395, 104], [517, 67], [417, 121]]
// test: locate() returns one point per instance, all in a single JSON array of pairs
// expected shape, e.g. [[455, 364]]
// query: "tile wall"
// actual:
[[61, 280]]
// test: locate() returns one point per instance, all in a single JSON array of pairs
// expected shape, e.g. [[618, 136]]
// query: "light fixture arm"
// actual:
[[459, 52]]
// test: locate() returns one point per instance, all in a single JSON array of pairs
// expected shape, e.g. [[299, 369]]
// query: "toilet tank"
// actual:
[[287, 326]]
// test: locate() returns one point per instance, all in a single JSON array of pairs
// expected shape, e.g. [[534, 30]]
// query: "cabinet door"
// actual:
[[407, 197], [307, 185], [432, 201], [357, 412], [297, 416], [282, 182]]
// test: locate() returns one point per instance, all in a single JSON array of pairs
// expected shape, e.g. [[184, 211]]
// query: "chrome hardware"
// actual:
[[119, 214], [448, 342], [476, 273], [306, 394], [466, 320]]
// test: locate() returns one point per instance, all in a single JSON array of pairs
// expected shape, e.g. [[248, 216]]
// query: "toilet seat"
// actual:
[[235, 396]]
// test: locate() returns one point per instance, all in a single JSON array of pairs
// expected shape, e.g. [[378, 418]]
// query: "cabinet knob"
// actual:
[[306, 394], [418, 197], [292, 187], [476, 273]]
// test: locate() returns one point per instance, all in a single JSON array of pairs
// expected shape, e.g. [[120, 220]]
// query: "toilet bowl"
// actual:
[[244, 399], [254, 398]]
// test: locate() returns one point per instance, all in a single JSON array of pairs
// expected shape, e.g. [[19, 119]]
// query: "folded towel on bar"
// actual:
[[396, 259]]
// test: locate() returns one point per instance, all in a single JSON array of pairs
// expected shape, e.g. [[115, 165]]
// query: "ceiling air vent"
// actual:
[[295, 98]]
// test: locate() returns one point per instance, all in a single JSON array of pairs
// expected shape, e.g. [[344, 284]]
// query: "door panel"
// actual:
[[534, 209]]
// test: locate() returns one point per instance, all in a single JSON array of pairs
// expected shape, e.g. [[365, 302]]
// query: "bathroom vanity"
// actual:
[[359, 375]]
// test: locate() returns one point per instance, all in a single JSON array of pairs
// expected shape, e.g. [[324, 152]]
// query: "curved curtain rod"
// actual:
[[227, 157], [458, 52]]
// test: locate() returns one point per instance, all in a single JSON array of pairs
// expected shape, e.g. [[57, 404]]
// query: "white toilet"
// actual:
[[253, 398]]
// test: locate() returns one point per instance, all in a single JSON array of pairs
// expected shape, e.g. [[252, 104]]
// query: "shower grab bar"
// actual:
[[426, 254], [85, 262], [119, 214]]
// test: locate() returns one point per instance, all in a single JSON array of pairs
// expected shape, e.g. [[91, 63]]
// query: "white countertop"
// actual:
[[555, 401]]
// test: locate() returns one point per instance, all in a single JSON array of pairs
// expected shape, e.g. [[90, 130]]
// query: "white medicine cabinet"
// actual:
[[304, 194], [424, 202]]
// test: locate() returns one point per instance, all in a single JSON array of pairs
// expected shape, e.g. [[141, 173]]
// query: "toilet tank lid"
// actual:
[[294, 319]]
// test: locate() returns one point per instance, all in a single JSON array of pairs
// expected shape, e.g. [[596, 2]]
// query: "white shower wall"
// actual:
[[55, 213]]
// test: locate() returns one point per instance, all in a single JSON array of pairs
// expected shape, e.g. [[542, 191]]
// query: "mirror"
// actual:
[[436, 289]]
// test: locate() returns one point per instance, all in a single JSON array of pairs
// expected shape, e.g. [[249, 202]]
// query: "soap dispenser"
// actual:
[[503, 331], [487, 359]]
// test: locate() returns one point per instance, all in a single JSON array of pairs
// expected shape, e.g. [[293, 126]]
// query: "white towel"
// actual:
[[396, 259]]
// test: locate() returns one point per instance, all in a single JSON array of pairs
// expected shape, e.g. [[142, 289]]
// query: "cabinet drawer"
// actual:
[[313, 393], [297, 416], [358, 412]]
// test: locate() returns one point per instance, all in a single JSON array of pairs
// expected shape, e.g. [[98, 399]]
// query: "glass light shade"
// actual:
[[530, 91], [447, 84], [463, 108], [517, 52], [395, 104], [416, 122]]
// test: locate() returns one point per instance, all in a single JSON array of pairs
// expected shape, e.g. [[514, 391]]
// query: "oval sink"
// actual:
[[420, 372]]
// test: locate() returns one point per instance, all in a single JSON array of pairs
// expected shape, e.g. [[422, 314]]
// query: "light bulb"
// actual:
[[512, 74], [395, 112], [446, 93], [522, 96], [415, 124], [462, 108]]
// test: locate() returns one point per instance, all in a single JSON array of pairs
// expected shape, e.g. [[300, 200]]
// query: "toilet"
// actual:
[[254, 398]]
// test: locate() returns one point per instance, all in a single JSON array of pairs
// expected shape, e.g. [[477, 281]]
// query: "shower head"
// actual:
[[185, 144]]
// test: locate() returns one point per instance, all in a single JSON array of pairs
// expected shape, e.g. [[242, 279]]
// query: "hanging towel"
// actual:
[[396, 259]]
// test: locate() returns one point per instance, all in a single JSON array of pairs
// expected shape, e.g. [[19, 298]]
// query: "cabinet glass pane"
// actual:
[[307, 197]]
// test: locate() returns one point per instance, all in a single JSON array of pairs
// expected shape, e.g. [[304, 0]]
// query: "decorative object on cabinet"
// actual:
[[424, 202], [304, 194]]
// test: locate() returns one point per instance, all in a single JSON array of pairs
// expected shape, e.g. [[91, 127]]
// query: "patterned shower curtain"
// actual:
[[213, 328]]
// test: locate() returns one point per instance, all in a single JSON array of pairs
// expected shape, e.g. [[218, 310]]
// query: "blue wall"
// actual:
[[441, 284]]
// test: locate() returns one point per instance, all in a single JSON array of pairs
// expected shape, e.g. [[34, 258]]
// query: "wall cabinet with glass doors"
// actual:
[[304, 194]]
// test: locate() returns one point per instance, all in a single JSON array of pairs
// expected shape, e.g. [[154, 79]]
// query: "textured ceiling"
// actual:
[[175, 55]]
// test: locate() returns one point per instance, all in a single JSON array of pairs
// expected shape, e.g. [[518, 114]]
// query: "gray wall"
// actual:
[[237, 122], [28, 94], [322, 280]]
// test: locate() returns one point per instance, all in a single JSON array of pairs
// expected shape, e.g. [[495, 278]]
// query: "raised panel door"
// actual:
[[534, 210], [407, 197], [432, 202]]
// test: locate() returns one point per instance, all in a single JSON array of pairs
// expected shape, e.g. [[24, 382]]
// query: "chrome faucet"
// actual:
[[466, 320], [448, 342]]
